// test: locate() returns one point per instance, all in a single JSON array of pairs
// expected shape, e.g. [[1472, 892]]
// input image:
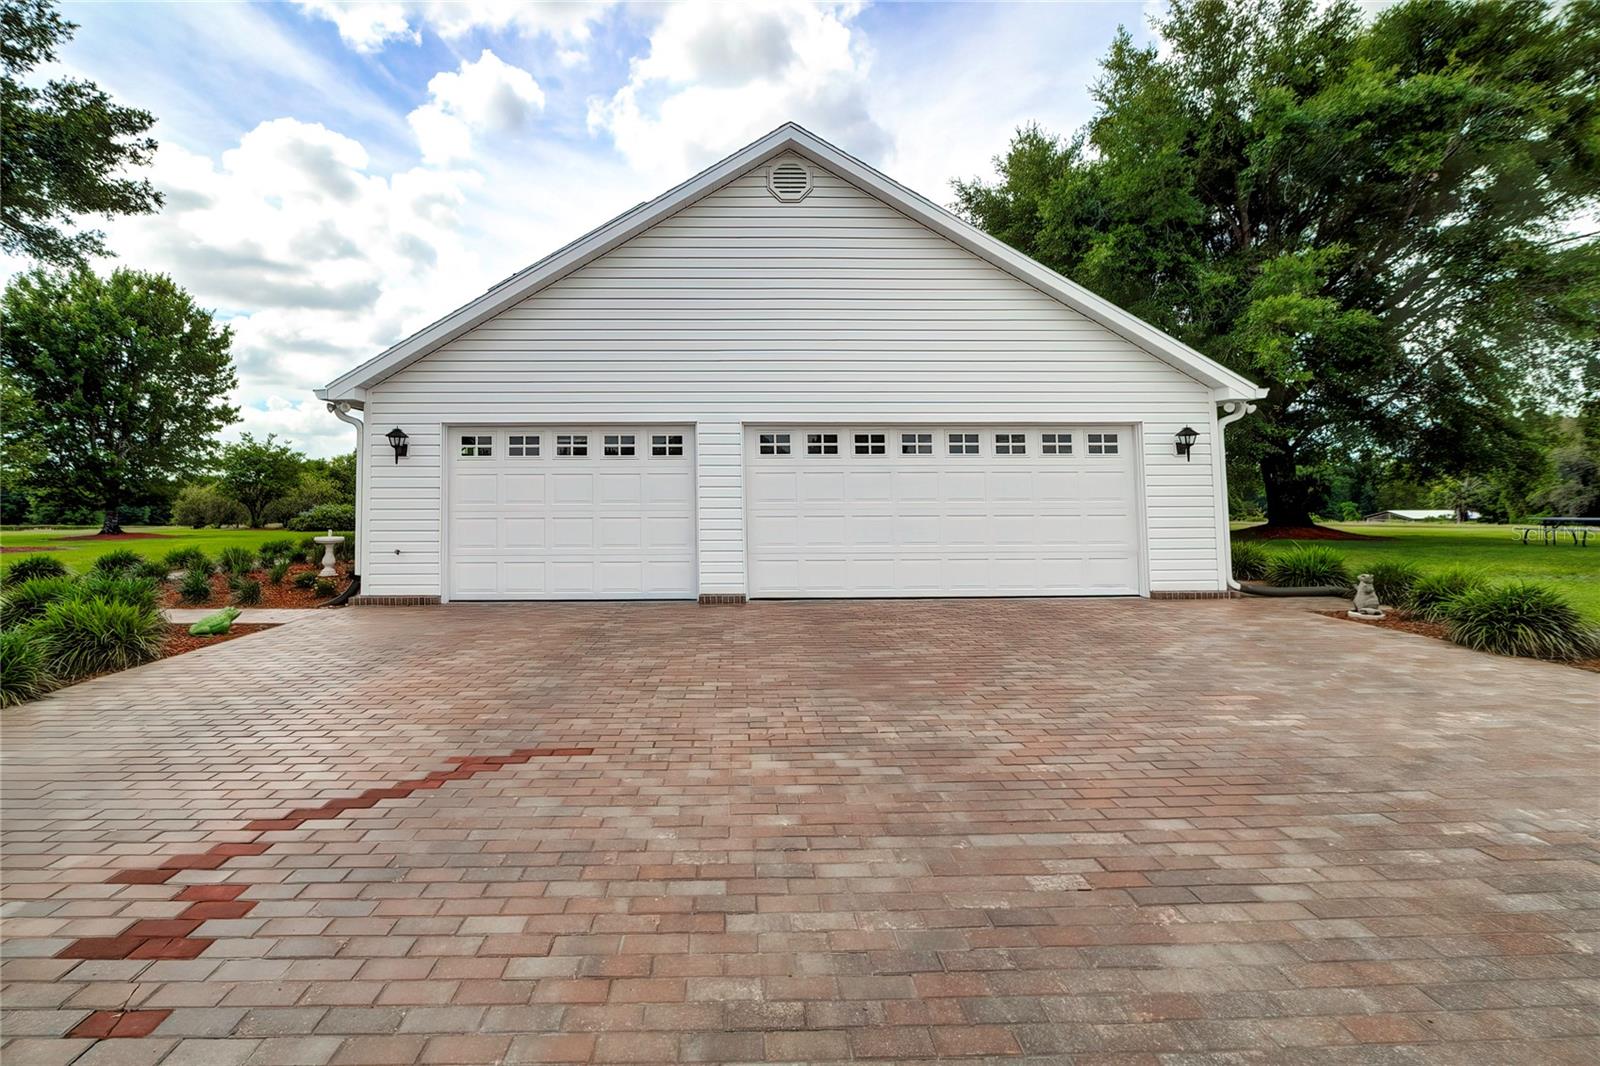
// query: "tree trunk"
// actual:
[[1290, 494], [112, 522]]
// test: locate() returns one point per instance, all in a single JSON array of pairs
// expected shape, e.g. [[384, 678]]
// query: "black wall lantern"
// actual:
[[397, 441], [1186, 439]]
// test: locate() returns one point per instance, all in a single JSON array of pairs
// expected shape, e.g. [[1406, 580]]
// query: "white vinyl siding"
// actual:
[[743, 310]]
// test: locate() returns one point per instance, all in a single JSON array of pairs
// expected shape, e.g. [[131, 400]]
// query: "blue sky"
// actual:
[[340, 174]]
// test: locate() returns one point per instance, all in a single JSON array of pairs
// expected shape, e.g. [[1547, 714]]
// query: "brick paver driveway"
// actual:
[[1079, 831]]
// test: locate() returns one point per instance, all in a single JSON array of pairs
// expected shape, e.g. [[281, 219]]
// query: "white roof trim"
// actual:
[[1225, 384]]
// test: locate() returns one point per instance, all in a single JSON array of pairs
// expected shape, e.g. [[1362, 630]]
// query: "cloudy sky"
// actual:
[[338, 175]]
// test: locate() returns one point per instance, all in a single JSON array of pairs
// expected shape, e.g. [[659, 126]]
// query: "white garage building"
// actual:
[[789, 377]]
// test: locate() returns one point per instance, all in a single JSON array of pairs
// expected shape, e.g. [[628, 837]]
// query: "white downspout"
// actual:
[[1236, 409], [341, 411]]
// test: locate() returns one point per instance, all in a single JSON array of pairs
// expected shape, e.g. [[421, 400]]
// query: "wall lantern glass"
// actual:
[[397, 441], [1186, 439]]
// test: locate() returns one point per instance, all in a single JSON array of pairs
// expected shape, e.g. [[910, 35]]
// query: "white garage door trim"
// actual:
[[1016, 527], [630, 484]]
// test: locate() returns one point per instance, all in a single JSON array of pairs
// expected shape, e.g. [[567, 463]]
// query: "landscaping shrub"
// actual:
[[24, 666], [35, 566], [91, 636], [345, 552], [1392, 580], [186, 559], [310, 550], [1432, 593], [25, 602], [117, 588], [325, 516], [207, 505], [247, 593], [1249, 561], [1307, 566], [273, 550], [278, 571], [236, 560], [324, 587], [304, 579], [195, 587], [1520, 618], [150, 569], [119, 561]]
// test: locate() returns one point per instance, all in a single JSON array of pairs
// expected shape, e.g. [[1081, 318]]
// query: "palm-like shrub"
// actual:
[[1249, 561], [236, 560], [1431, 594], [135, 591], [1520, 618], [278, 570], [24, 666], [247, 592], [118, 562], [1308, 566], [1392, 580], [186, 559], [195, 586], [23, 603], [34, 566], [83, 637]]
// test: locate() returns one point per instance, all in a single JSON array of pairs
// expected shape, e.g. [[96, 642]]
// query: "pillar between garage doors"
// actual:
[[719, 499]]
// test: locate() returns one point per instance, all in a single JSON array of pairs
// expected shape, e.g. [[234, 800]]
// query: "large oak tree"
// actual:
[[1386, 221], [125, 380]]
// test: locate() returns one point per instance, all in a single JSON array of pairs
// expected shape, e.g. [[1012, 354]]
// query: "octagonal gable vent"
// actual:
[[789, 181]]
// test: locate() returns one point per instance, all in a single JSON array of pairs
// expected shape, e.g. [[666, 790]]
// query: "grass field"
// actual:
[[1493, 549], [79, 555]]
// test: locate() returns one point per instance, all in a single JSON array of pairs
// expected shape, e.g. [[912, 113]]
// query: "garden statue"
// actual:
[[1366, 601], [327, 553]]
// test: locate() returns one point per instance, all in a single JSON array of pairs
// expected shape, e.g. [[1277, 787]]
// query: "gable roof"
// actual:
[[1225, 384]]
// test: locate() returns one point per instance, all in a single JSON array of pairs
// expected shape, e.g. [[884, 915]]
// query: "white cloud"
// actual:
[[488, 96], [368, 25], [718, 76]]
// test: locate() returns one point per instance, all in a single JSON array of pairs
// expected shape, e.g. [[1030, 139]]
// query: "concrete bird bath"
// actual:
[[328, 542]]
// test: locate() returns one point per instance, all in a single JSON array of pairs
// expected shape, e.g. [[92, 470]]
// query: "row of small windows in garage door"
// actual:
[[572, 445], [1051, 442]]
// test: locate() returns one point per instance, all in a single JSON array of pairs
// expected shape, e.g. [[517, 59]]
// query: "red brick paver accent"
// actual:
[[1086, 832]]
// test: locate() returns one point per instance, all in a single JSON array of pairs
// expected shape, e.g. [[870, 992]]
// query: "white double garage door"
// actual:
[[609, 512]]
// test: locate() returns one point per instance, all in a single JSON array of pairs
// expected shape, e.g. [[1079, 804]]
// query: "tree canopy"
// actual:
[[64, 146], [125, 381], [1383, 221], [258, 472]]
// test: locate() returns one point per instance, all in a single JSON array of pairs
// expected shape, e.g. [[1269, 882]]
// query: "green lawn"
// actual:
[[1492, 549], [79, 555]]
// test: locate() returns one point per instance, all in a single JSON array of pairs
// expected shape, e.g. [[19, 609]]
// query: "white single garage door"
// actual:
[[942, 511], [570, 512]]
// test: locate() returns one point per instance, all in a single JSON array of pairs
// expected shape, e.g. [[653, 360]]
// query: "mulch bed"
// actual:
[[8, 549], [1393, 620], [275, 596], [179, 641], [116, 536], [1299, 533]]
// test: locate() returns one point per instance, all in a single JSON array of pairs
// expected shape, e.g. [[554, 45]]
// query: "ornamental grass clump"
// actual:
[[24, 666], [83, 637], [186, 559], [236, 560], [1249, 561], [21, 604], [135, 591], [1431, 594], [1520, 618], [247, 592], [118, 562], [278, 571], [195, 586], [1393, 579], [1308, 566], [32, 567], [283, 548], [304, 579]]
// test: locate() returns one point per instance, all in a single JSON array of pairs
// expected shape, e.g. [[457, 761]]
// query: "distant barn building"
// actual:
[[1418, 516]]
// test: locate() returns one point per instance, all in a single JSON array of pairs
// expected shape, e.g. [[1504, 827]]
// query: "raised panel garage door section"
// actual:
[[563, 512], [942, 511]]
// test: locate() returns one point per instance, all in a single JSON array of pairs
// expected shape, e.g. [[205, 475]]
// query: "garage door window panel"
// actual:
[[822, 444], [572, 445], [774, 444], [963, 443], [522, 446], [618, 445], [477, 446], [870, 444]]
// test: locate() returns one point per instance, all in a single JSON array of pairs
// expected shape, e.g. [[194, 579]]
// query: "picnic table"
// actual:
[[1551, 529]]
